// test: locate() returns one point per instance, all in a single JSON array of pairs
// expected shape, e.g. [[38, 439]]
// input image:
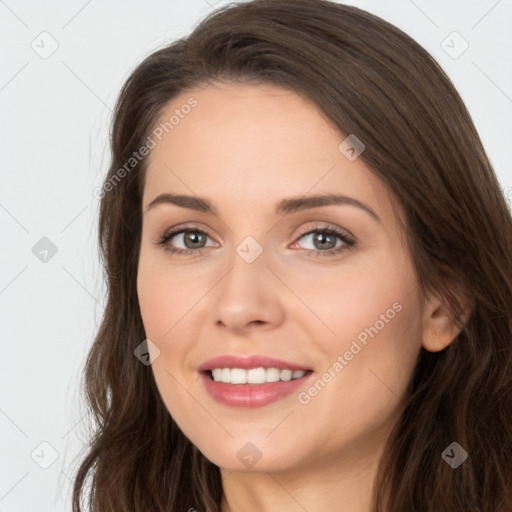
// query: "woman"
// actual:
[[308, 260]]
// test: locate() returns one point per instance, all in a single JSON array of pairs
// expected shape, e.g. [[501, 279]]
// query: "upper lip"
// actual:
[[247, 362]]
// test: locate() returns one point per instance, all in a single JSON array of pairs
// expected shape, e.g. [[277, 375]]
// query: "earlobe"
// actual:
[[439, 327]]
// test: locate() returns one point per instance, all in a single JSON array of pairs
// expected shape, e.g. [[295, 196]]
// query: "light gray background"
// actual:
[[56, 113]]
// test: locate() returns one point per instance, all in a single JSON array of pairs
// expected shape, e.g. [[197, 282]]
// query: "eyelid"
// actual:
[[185, 226], [304, 231], [325, 226]]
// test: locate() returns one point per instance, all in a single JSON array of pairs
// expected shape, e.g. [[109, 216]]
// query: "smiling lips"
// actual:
[[252, 381]]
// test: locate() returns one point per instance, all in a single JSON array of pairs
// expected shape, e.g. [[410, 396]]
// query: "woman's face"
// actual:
[[273, 281]]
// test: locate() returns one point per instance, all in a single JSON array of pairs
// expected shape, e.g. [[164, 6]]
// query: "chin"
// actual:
[[243, 455]]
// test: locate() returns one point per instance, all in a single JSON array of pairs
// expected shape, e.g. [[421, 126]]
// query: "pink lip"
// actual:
[[248, 362], [250, 395]]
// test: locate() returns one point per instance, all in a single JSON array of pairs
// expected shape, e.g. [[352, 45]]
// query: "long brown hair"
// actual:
[[370, 79]]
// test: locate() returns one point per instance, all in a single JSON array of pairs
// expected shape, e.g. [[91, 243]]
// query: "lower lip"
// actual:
[[250, 395]]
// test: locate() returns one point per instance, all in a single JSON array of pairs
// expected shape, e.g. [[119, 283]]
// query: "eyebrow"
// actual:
[[284, 207]]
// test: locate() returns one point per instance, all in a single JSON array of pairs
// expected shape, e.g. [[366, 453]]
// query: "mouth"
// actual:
[[251, 380], [253, 387]]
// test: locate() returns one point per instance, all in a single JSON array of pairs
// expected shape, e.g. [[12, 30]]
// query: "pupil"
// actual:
[[322, 237], [192, 234]]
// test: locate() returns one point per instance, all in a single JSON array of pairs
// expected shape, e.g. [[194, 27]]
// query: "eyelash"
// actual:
[[348, 241]]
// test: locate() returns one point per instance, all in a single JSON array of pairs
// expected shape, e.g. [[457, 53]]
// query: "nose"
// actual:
[[249, 296]]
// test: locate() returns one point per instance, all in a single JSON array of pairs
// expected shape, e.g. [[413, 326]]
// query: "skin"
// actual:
[[245, 148]]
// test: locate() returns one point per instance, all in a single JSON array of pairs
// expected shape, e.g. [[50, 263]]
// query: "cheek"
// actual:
[[163, 302], [155, 298], [374, 314], [164, 295], [366, 371], [374, 288]]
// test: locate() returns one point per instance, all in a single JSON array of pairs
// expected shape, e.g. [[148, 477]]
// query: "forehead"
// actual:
[[253, 144]]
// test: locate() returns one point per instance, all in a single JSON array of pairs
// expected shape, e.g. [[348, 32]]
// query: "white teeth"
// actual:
[[226, 375], [286, 375], [254, 375], [273, 374], [238, 376]]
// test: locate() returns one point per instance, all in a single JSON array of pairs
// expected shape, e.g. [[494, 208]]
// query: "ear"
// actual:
[[439, 327]]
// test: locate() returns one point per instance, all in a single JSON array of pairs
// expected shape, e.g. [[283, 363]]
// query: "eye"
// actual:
[[324, 241], [192, 238]]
